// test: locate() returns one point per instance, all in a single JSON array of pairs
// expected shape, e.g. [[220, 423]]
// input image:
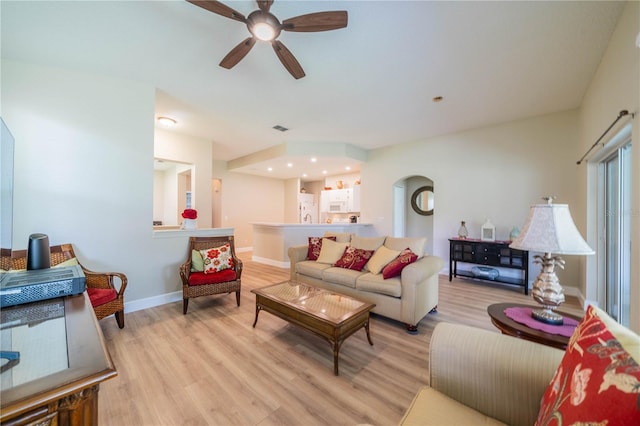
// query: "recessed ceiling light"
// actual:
[[437, 99], [324, 172], [289, 164], [269, 169], [314, 159], [304, 175], [347, 168], [166, 121]]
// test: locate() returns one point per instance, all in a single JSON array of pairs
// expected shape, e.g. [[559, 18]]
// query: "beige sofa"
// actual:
[[482, 377], [406, 298]]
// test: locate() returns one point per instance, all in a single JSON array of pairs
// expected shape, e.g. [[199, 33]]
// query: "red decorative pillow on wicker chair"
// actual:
[[100, 296]]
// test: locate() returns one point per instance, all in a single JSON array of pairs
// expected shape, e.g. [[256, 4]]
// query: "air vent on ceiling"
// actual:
[[281, 128]]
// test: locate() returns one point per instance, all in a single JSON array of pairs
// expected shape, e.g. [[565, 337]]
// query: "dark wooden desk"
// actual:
[[61, 360], [508, 326]]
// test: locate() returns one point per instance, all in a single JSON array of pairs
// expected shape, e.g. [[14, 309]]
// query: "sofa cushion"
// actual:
[[430, 407], [395, 267], [380, 259], [202, 278], [315, 244], [377, 284], [331, 251], [341, 237], [341, 276], [367, 243], [354, 258], [415, 244], [311, 268], [100, 296], [598, 380]]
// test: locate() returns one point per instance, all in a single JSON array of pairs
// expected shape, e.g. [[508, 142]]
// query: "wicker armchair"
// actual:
[[105, 298], [196, 284]]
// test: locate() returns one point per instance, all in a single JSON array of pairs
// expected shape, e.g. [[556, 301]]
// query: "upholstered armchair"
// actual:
[[212, 267], [105, 298]]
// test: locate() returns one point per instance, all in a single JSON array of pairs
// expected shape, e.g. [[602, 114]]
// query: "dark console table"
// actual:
[[488, 253]]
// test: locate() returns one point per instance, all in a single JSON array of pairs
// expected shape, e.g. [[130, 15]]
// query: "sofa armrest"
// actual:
[[296, 254], [422, 269], [500, 376]]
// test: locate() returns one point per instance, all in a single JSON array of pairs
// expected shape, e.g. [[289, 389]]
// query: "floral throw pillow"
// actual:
[[395, 267], [354, 258], [217, 259], [598, 380], [315, 245]]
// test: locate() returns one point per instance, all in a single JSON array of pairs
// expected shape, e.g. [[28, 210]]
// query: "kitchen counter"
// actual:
[[272, 240]]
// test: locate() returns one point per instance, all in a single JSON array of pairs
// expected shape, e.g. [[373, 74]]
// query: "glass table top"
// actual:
[[313, 300], [33, 342]]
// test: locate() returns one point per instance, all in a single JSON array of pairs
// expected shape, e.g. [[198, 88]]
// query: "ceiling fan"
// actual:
[[264, 26]]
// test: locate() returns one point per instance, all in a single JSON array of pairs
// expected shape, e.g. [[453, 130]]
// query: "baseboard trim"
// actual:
[[271, 262], [151, 302]]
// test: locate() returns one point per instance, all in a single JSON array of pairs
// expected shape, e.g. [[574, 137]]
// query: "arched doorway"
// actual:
[[407, 222]]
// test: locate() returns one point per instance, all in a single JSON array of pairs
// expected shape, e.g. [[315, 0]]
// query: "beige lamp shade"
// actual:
[[550, 229]]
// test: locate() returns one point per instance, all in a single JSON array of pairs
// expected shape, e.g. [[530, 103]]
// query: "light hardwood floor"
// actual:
[[211, 367]]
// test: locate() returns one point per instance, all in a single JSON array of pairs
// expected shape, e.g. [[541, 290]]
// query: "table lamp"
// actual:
[[550, 229]]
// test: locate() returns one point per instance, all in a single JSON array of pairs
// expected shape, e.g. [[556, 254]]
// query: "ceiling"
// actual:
[[367, 86]]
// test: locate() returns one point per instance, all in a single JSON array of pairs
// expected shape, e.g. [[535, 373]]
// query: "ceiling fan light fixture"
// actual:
[[263, 31], [263, 25]]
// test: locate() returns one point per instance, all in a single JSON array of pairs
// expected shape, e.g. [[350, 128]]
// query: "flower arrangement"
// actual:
[[190, 214]]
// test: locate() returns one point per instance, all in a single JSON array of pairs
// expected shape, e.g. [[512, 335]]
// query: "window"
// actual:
[[615, 231]]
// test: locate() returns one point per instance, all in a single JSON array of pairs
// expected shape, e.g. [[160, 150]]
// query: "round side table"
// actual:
[[512, 328]]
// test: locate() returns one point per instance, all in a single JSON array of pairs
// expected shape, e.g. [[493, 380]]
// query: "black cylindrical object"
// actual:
[[38, 255]]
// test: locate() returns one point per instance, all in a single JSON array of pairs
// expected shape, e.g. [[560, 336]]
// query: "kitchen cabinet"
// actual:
[[345, 200]]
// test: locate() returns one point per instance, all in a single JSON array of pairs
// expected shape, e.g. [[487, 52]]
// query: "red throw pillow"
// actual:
[[354, 258], [395, 267], [598, 380], [315, 244]]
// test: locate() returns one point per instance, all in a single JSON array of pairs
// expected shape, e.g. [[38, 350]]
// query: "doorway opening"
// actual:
[[407, 222]]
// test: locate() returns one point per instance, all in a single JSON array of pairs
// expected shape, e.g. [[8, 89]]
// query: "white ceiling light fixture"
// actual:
[[263, 25], [166, 121]]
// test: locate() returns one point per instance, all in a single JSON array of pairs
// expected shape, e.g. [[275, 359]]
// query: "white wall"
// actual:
[[615, 86], [495, 172], [247, 199], [84, 166]]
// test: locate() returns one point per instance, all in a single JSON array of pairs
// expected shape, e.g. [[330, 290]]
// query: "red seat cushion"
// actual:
[[100, 296], [200, 278]]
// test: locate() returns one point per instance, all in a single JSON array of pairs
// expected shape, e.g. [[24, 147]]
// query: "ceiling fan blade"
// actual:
[[237, 53], [287, 59], [319, 21], [219, 8], [265, 5]]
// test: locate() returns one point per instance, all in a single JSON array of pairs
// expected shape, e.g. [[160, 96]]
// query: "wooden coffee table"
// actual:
[[331, 316], [512, 328]]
